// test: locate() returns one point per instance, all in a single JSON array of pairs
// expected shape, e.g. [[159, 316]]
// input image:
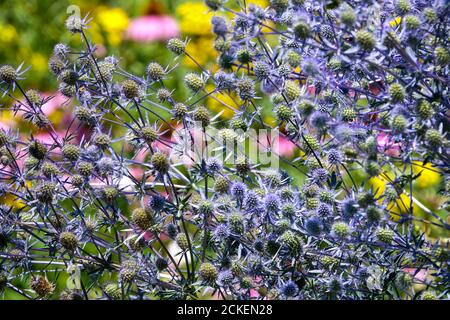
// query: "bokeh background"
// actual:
[[136, 31]]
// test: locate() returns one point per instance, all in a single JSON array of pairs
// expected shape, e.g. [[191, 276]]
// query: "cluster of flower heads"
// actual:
[[357, 87]]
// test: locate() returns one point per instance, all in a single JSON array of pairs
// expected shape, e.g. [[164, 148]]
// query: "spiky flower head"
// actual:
[[385, 235], [208, 272], [68, 240], [160, 162], [71, 152], [130, 89], [176, 45], [194, 82], [182, 241], [155, 71]]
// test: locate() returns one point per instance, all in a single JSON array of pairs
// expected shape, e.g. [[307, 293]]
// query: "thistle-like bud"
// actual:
[[49, 169], [155, 71], [208, 272], [161, 263], [397, 92], [110, 193], [402, 6], [8, 74], [148, 134], [246, 89], [163, 95], [291, 90], [385, 235], [348, 16], [113, 291], [142, 218], [37, 149], [301, 30], [160, 162], [221, 184], [56, 65], [340, 229], [442, 55], [412, 22], [279, 5], [179, 110], [365, 39], [399, 123], [34, 97], [85, 168], [71, 152], [428, 295], [433, 138], [130, 89], [201, 114], [176, 45], [194, 82], [214, 4], [291, 241], [293, 58], [128, 270], [68, 240], [182, 241]]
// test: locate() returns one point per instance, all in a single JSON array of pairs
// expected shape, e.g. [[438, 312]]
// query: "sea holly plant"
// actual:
[[147, 195]]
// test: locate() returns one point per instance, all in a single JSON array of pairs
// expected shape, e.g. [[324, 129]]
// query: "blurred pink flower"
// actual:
[[420, 275], [279, 144], [57, 101], [152, 28], [386, 145]]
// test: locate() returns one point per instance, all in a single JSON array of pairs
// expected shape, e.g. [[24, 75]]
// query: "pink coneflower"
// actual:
[[152, 28]]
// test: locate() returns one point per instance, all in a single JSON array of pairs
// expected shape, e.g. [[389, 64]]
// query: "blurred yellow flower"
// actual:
[[7, 33], [428, 175], [261, 3], [400, 206], [218, 106], [38, 62], [113, 21], [201, 49], [194, 18]]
